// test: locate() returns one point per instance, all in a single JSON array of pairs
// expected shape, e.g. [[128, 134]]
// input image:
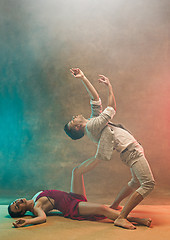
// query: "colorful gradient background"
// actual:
[[126, 40]]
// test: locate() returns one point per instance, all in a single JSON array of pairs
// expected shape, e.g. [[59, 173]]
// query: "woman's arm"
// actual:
[[77, 73], [40, 218]]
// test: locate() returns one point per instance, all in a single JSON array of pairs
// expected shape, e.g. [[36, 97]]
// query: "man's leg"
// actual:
[[142, 171], [126, 191], [133, 201]]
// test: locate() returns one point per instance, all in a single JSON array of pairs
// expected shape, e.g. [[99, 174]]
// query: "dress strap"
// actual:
[[50, 201], [36, 195]]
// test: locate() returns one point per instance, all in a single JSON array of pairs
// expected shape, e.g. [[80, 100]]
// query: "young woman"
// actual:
[[73, 205]]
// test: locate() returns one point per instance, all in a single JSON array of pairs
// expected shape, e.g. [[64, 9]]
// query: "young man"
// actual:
[[73, 205], [110, 136]]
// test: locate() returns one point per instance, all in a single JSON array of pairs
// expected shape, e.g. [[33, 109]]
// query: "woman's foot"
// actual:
[[124, 223], [116, 207], [142, 221]]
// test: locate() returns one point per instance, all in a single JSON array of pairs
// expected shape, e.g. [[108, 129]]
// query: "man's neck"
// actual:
[[84, 123]]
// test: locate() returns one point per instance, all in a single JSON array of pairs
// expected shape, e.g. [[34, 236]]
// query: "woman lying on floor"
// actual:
[[73, 205]]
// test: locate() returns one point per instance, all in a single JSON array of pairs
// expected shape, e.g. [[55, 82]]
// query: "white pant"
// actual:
[[142, 178]]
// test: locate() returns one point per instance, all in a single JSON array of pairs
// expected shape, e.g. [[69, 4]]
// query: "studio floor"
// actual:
[[58, 227]]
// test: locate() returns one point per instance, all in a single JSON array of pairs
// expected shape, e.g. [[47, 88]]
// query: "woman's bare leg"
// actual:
[[77, 181], [141, 221], [87, 208]]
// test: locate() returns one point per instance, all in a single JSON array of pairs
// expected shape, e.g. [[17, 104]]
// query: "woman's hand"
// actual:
[[104, 80], [21, 222], [77, 73]]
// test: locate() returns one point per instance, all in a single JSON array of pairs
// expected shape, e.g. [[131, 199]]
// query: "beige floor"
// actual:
[[61, 228]]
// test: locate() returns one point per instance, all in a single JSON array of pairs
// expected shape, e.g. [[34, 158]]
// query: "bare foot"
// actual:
[[124, 223], [116, 207], [141, 221]]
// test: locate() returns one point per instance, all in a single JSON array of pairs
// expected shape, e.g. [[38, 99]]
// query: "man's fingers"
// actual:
[[101, 80], [73, 73], [102, 76], [75, 69]]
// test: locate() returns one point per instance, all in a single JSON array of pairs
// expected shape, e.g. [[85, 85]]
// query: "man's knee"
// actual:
[[146, 188], [150, 185], [133, 184]]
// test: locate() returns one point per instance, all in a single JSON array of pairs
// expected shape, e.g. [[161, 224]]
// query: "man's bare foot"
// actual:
[[142, 221], [116, 207], [124, 223]]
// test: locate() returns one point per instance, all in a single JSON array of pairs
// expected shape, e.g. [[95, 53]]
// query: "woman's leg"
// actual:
[[77, 181], [87, 208]]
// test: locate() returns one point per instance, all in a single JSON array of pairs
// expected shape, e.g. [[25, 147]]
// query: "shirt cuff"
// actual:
[[99, 102], [110, 111]]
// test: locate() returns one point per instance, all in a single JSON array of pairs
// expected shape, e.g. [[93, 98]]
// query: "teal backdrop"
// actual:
[[126, 40]]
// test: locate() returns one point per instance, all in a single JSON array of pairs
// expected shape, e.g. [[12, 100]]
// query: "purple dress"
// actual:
[[67, 203]]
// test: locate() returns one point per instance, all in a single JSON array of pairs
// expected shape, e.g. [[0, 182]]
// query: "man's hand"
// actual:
[[104, 80], [21, 222], [111, 98], [77, 73]]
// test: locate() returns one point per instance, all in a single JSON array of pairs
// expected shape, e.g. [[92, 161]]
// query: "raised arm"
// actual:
[[40, 218], [77, 73], [111, 97]]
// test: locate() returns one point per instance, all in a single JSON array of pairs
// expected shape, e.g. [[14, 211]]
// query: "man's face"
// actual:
[[19, 205], [76, 121]]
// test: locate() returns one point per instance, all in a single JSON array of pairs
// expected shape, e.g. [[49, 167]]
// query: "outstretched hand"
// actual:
[[21, 222], [77, 73], [104, 80]]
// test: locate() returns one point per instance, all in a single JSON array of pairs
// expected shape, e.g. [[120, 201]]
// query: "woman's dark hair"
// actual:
[[72, 133], [14, 214]]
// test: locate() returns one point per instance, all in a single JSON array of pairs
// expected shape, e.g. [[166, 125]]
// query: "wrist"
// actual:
[[28, 221], [109, 85], [83, 78], [110, 90]]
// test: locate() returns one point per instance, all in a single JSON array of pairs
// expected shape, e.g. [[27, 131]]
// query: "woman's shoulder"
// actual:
[[36, 195]]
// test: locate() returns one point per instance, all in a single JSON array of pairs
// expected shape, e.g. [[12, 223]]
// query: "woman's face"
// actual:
[[19, 205]]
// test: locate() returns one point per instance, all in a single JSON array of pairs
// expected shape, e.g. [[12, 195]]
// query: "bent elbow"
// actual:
[[44, 220]]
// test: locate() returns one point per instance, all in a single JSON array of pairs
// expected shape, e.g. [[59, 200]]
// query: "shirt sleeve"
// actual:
[[103, 119], [97, 124], [109, 112], [96, 108]]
